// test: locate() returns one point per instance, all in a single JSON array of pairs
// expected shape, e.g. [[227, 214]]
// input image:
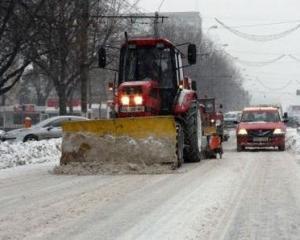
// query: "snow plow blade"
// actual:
[[118, 146]]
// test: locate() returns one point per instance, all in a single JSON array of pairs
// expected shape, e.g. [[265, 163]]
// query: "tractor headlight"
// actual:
[[125, 100], [138, 100], [242, 131], [278, 131], [212, 120]]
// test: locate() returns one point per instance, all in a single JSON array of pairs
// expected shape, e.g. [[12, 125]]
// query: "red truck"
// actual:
[[261, 127]]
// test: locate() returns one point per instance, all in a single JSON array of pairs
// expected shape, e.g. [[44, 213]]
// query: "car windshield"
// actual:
[[147, 63], [230, 115], [44, 122], [260, 116], [56, 121]]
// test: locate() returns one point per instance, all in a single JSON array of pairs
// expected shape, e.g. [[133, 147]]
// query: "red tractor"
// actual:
[[155, 110], [151, 82]]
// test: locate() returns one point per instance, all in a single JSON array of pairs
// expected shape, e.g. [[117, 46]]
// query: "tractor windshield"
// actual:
[[147, 63]]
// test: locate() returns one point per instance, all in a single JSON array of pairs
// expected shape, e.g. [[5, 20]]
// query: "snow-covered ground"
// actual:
[[244, 196], [293, 140], [19, 153]]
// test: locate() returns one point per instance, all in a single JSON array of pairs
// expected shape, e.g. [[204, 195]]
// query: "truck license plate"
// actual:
[[260, 139]]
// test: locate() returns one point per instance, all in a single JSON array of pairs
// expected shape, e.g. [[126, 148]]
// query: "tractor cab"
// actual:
[[150, 76], [152, 63]]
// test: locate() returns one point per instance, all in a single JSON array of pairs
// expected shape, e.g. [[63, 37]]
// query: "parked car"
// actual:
[[230, 119], [49, 128], [261, 127]]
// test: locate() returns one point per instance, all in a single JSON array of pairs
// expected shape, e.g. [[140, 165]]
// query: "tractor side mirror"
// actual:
[[221, 106], [194, 85], [102, 57], [192, 54]]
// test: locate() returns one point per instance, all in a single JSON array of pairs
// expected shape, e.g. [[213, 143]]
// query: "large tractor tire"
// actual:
[[193, 135]]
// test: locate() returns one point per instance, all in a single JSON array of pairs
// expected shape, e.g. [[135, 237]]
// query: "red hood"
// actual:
[[261, 125]]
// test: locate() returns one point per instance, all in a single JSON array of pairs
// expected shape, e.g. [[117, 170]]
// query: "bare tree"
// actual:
[[36, 86], [17, 27], [215, 73], [70, 42]]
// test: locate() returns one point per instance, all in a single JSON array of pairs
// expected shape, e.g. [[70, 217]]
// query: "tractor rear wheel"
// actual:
[[193, 135]]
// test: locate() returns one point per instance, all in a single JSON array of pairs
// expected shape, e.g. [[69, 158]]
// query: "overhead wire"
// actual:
[[263, 24], [160, 5], [259, 38], [256, 53], [265, 92], [294, 58], [256, 64], [275, 89]]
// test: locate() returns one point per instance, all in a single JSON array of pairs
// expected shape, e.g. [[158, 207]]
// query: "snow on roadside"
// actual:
[[293, 140], [19, 153]]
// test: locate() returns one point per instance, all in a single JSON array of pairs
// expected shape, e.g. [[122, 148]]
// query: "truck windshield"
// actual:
[[261, 116], [147, 63]]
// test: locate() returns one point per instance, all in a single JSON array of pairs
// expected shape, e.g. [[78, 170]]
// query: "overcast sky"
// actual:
[[252, 12]]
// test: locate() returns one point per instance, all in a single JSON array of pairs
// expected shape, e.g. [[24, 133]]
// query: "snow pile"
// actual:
[[84, 153], [293, 140], [19, 153]]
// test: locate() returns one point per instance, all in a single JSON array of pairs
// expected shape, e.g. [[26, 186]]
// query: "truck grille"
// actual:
[[260, 133], [133, 109]]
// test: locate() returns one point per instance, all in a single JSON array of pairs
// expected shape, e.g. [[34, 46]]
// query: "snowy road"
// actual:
[[248, 195]]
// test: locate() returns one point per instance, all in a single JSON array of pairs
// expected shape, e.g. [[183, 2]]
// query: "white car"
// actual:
[[49, 128], [230, 118]]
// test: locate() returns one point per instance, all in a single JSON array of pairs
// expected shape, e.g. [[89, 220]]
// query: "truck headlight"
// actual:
[[125, 100], [242, 131], [138, 100], [278, 131]]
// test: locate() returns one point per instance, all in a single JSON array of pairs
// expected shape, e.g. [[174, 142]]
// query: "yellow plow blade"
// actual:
[[124, 145], [132, 127]]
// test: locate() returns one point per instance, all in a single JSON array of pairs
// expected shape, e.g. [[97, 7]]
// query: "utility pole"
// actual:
[[83, 46], [155, 25]]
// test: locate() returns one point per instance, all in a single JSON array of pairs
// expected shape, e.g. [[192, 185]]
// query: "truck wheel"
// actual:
[[193, 135], [239, 148], [30, 138], [179, 145], [281, 148]]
